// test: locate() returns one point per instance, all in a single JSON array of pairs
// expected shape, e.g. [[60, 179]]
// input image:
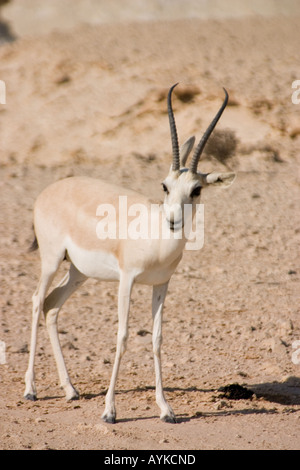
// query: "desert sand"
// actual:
[[89, 98]]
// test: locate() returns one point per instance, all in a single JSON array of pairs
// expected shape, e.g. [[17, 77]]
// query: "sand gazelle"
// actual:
[[65, 224]]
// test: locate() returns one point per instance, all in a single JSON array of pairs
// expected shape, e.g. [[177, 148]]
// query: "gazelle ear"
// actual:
[[220, 179], [185, 150]]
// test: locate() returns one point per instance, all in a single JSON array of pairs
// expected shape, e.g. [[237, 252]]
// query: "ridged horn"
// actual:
[[206, 135], [175, 146]]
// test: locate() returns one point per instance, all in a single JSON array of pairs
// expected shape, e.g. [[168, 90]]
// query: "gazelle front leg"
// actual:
[[158, 298], [125, 286]]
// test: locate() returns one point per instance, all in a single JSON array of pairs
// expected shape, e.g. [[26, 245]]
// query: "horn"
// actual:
[[175, 146], [206, 135]]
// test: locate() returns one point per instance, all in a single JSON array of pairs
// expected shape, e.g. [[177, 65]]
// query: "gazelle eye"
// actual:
[[196, 192], [165, 188]]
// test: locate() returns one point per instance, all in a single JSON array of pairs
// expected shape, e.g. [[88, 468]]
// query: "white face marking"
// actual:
[[180, 191]]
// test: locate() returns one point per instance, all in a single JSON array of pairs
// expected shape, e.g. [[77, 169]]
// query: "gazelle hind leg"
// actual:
[[53, 304], [158, 297], [47, 275]]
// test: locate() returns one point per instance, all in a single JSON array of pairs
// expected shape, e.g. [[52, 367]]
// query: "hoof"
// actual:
[[108, 418], [30, 397], [73, 397], [71, 394], [169, 419]]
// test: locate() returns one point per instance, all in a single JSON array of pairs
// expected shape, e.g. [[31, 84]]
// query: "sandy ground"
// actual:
[[91, 101]]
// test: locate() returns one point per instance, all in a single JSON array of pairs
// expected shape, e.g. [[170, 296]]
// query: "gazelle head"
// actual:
[[183, 185]]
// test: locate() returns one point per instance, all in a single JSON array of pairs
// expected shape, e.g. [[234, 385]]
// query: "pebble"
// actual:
[[222, 404], [102, 428], [39, 420], [163, 441]]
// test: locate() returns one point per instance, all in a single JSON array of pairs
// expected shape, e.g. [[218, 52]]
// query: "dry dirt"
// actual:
[[91, 101]]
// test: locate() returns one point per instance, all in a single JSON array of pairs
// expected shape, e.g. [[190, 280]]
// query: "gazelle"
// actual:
[[65, 224]]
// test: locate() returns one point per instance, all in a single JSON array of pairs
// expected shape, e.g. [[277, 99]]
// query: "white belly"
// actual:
[[95, 264], [103, 265]]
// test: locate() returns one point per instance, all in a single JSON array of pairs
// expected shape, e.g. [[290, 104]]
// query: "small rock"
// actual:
[[84, 358], [278, 346], [294, 132], [39, 420], [163, 441], [222, 404], [143, 332], [63, 79], [101, 428], [242, 374], [170, 364], [20, 349]]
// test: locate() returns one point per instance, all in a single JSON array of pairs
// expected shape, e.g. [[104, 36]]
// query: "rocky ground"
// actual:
[[92, 101]]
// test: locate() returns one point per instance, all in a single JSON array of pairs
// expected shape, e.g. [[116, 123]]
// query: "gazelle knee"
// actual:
[[122, 343], [156, 342], [37, 305], [51, 317]]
